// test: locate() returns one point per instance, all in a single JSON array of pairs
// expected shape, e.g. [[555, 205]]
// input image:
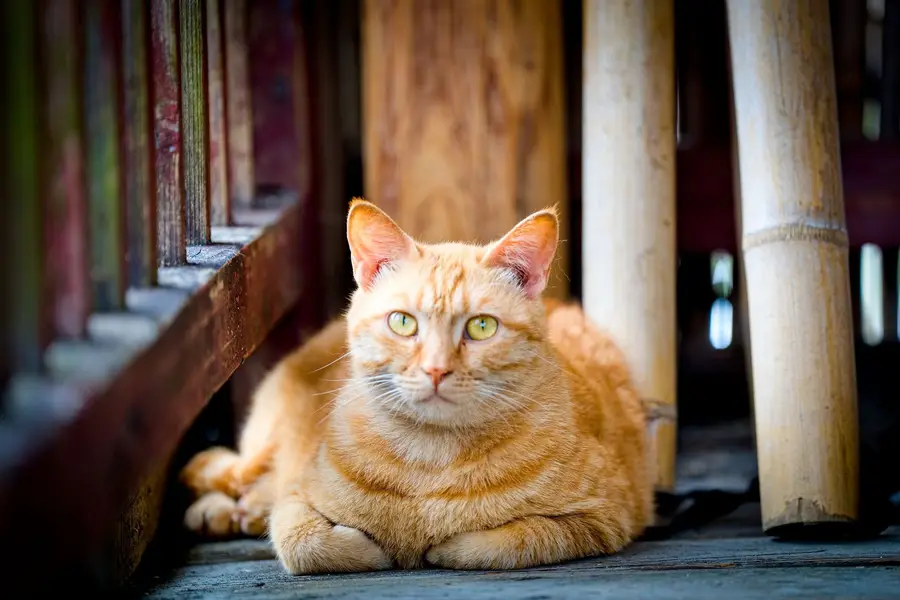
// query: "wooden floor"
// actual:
[[698, 565], [726, 558]]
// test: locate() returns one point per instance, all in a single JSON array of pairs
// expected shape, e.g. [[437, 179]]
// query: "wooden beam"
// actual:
[[238, 101], [65, 226], [104, 178], [170, 224], [140, 199], [628, 228], [795, 253], [219, 196], [123, 418], [23, 334], [463, 117], [194, 120]]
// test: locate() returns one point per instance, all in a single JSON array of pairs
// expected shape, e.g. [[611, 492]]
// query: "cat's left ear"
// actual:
[[528, 250], [375, 241]]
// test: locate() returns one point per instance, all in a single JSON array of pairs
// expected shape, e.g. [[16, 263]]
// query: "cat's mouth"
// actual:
[[436, 399]]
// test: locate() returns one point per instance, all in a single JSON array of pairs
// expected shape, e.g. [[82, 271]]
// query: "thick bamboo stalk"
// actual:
[[463, 116], [795, 255], [629, 193]]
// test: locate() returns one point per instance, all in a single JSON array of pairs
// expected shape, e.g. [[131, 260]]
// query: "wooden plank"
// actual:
[[848, 18], [104, 183], [794, 229], [219, 196], [722, 553], [124, 425], [628, 230], [65, 226], [238, 101], [194, 106], [140, 200], [170, 227], [23, 332], [463, 117]]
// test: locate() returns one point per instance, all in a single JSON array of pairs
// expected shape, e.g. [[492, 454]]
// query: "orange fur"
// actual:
[[531, 449]]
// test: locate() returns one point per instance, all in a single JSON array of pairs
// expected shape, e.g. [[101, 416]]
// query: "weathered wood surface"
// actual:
[[219, 196], [463, 117], [794, 230], [140, 198], [126, 405], [241, 181], [65, 226], [628, 207], [194, 119], [747, 567], [167, 133], [102, 26]]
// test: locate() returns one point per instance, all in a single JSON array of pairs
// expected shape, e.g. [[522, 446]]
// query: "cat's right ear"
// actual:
[[375, 241]]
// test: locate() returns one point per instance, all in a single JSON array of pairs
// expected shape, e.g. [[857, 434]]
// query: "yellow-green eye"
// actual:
[[481, 327], [402, 324]]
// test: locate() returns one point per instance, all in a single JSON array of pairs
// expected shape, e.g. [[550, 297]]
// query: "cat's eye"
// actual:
[[403, 324], [481, 327]]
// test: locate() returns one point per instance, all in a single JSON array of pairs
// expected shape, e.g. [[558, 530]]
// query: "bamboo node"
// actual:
[[794, 233]]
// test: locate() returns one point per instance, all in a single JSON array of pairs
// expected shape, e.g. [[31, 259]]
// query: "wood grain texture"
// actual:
[[170, 210], [219, 196], [65, 225], [23, 332], [795, 254], [628, 179], [125, 420], [194, 123], [463, 117], [103, 130], [238, 101], [140, 199]]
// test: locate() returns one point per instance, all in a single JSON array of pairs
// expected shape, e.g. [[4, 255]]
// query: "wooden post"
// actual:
[[194, 122], [463, 116], [170, 227], [795, 255], [140, 205], [629, 194], [219, 197], [241, 181], [104, 181], [65, 226]]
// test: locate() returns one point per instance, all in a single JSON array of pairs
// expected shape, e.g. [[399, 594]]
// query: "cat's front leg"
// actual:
[[308, 543], [531, 541]]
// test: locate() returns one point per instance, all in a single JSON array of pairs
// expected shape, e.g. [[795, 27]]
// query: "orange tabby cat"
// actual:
[[470, 425]]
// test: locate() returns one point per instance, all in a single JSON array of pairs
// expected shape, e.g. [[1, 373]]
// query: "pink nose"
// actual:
[[437, 375]]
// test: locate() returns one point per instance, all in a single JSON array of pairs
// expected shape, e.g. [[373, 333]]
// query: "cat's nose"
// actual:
[[437, 374]]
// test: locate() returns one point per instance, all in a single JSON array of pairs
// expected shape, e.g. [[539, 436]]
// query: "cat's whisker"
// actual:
[[338, 359]]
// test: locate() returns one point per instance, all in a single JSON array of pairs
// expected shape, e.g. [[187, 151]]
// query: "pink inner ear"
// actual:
[[528, 252], [375, 241]]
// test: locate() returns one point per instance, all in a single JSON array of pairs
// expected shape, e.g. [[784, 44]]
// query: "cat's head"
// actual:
[[448, 334]]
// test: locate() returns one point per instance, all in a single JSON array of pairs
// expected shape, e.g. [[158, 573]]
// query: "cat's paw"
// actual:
[[472, 550], [212, 470], [307, 543], [252, 511], [212, 515]]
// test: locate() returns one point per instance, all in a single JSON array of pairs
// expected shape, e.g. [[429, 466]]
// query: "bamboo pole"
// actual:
[[796, 260], [629, 194]]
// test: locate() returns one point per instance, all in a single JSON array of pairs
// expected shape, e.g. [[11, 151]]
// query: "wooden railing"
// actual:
[[145, 267]]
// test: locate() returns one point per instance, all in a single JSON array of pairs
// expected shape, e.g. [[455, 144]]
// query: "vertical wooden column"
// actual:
[[194, 120], [241, 181], [140, 201], [795, 255], [65, 226], [629, 194], [104, 182], [463, 116], [170, 225], [219, 196]]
